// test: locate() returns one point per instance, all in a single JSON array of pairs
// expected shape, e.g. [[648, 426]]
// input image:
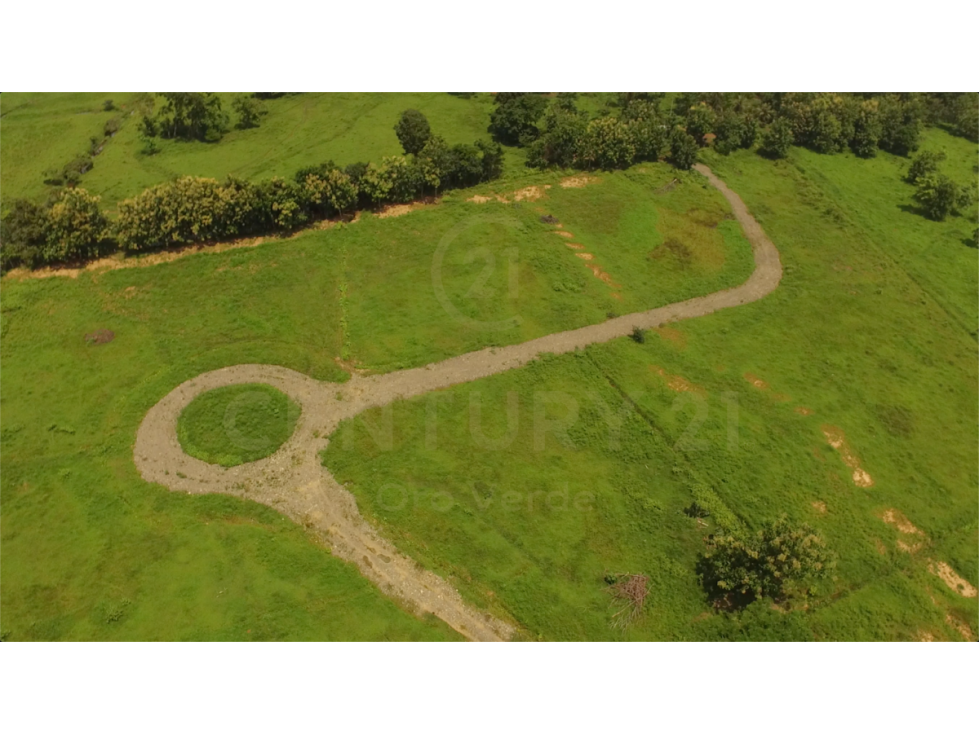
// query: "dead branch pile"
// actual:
[[629, 592]]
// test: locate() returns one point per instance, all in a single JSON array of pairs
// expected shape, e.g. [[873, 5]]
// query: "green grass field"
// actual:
[[45, 130], [233, 425], [81, 532], [872, 329], [853, 334]]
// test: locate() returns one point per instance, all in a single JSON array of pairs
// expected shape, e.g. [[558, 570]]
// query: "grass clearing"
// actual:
[[91, 551], [237, 424], [853, 340]]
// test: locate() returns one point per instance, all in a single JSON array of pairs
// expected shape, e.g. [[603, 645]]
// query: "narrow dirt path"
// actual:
[[294, 482]]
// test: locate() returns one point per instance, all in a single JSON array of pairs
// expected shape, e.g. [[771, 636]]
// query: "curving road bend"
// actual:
[[294, 482]]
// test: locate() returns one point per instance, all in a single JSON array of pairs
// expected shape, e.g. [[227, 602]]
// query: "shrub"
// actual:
[[111, 127], [559, 143], [321, 170], [77, 229], [926, 162], [966, 121], [777, 140], [331, 194], [23, 235], [191, 116], [465, 166], [638, 335], [249, 110], [900, 124], [435, 163], [937, 194], [607, 144], [108, 106], [179, 212], [776, 562], [492, 155], [395, 180]]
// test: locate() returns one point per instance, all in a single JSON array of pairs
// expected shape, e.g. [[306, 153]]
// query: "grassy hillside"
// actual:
[[853, 341], [92, 551]]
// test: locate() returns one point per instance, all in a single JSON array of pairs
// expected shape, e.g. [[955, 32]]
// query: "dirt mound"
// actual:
[[550, 219], [100, 336]]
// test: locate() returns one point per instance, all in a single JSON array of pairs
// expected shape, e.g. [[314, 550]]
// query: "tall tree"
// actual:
[[413, 131]]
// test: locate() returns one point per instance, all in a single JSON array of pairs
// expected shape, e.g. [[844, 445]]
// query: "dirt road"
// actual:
[[294, 482]]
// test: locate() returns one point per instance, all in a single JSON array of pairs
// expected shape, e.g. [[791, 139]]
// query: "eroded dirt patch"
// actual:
[[575, 246], [577, 182], [961, 627], [530, 193], [756, 381], [603, 276], [674, 336], [399, 210], [819, 506], [584, 255], [898, 520], [952, 580], [837, 439], [100, 336], [563, 233], [802, 410], [676, 383]]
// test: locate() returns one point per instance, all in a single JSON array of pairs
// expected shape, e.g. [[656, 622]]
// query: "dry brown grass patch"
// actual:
[[676, 383]]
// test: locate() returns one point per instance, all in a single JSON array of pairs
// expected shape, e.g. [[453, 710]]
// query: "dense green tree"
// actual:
[[514, 121], [77, 228], [558, 145], [492, 159], [778, 139], [249, 110], [735, 130], [966, 116], [23, 235], [330, 194], [700, 121], [683, 149], [923, 164], [866, 129], [435, 163], [320, 170], [413, 131], [465, 166], [900, 120], [191, 116], [776, 562], [607, 144], [937, 194]]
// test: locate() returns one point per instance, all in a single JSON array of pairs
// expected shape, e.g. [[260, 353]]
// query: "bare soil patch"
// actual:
[[898, 520], [802, 410], [575, 246], [952, 580], [563, 233], [819, 506], [100, 336], [584, 255], [837, 439], [756, 381], [399, 210], [961, 627], [674, 336], [676, 383], [577, 182], [603, 276]]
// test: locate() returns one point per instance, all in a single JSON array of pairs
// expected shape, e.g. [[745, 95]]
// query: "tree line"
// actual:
[[634, 127], [188, 210]]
